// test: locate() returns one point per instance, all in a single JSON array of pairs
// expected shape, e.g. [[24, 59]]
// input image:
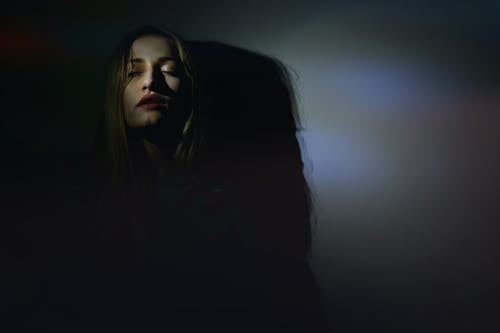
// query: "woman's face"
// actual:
[[154, 77]]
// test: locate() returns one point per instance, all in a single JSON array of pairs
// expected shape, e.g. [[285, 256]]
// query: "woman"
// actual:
[[149, 113], [207, 220]]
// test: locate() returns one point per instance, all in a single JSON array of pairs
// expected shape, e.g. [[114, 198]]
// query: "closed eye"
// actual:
[[134, 73], [171, 71], [170, 68]]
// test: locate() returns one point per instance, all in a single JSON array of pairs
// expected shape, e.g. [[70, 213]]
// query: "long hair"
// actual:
[[119, 163]]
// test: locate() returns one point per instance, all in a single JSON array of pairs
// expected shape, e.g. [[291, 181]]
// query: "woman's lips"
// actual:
[[153, 106], [153, 101]]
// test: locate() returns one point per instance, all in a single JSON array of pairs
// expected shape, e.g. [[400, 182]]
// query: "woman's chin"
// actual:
[[152, 117]]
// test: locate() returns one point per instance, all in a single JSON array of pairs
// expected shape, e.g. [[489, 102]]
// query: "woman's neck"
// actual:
[[160, 162], [153, 151]]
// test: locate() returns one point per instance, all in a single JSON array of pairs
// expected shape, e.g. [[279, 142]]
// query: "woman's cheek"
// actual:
[[128, 100], [173, 83]]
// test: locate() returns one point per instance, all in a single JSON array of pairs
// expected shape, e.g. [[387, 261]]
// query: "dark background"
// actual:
[[400, 107]]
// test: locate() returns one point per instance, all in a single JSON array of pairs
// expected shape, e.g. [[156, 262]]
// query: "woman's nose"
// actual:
[[148, 80], [154, 81]]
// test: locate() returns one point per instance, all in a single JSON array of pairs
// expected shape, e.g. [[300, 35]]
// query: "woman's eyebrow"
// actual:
[[166, 58]]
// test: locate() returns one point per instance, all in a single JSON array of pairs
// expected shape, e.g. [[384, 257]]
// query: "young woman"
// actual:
[[206, 221], [149, 108]]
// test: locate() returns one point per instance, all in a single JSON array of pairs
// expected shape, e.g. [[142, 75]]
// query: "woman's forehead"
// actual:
[[153, 47]]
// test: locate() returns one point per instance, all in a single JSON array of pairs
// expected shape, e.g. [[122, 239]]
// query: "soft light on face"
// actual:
[[154, 78]]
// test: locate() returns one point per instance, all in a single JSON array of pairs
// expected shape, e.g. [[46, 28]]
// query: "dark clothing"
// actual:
[[181, 258]]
